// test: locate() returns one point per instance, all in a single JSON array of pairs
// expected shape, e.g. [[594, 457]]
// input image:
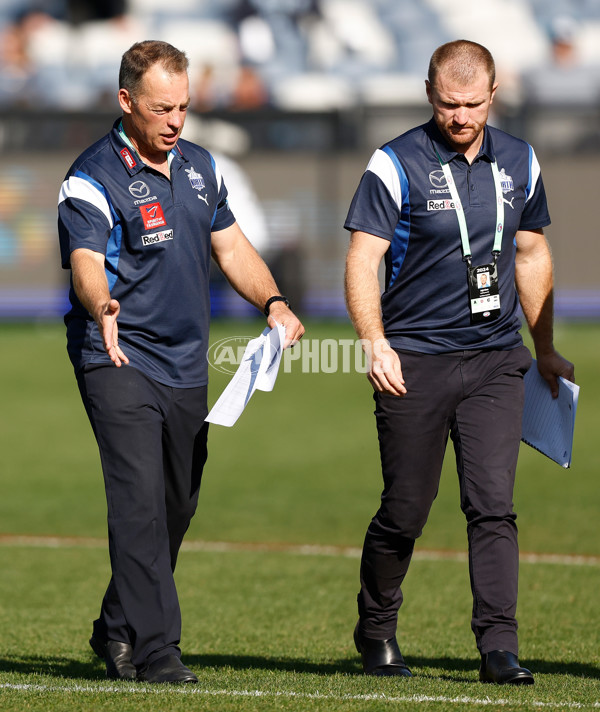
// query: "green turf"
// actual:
[[280, 624], [269, 630], [301, 464]]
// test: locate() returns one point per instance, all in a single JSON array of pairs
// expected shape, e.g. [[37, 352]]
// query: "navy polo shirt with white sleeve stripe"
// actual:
[[403, 197], [155, 234]]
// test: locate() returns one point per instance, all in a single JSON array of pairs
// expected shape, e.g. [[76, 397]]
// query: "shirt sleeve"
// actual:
[[223, 216], [85, 217], [376, 205], [535, 212]]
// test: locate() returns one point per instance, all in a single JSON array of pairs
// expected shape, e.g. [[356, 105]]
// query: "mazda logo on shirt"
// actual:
[[139, 189], [437, 179]]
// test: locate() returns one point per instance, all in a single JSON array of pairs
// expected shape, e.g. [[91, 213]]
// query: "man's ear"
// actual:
[[125, 101], [493, 92], [428, 89]]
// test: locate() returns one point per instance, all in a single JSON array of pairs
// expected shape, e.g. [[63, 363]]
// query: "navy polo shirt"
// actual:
[[155, 234], [403, 197]]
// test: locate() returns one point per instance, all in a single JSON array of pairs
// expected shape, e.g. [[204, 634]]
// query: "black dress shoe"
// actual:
[[380, 657], [117, 656], [169, 668], [503, 668]]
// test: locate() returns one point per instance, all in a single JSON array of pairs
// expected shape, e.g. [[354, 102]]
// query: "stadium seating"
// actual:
[[316, 54]]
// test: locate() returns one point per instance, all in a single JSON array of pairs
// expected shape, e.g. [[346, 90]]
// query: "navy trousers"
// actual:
[[476, 398], [152, 442]]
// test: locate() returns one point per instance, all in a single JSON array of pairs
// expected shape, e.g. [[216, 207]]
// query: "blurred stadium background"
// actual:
[[292, 96]]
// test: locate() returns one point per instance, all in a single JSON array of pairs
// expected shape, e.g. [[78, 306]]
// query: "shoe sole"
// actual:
[[514, 681]]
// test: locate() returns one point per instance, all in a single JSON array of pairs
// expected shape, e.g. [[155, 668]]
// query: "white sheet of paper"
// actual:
[[257, 370], [549, 423]]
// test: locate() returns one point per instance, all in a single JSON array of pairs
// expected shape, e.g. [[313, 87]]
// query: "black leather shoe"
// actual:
[[503, 668], [117, 656], [380, 657], [169, 668]]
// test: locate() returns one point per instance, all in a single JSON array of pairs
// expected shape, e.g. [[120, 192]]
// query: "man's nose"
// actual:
[[176, 118], [461, 115]]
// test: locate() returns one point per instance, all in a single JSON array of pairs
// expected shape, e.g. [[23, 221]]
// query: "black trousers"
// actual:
[[477, 399], [152, 442]]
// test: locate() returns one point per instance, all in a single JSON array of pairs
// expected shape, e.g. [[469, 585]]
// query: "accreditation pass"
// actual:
[[484, 293]]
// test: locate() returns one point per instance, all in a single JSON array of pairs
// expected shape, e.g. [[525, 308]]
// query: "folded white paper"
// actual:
[[549, 423], [257, 370]]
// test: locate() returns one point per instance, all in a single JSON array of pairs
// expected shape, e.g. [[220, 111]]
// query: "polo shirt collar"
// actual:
[[447, 154], [130, 157]]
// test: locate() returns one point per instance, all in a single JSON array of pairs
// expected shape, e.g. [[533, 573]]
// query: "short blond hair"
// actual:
[[463, 60]]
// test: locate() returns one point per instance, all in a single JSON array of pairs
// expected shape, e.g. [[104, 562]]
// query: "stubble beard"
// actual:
[[465, 138]]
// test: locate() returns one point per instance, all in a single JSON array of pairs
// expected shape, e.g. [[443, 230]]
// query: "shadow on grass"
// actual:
[[53, 667], [452, 669], [447, 668], [455, 669]]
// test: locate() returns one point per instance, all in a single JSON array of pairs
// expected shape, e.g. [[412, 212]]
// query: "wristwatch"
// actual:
[[277, 298]]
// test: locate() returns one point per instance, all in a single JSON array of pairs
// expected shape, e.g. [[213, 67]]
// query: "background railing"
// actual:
[[301, 170]]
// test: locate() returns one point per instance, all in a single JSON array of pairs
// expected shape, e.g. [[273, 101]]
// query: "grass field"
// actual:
[[269, 576]]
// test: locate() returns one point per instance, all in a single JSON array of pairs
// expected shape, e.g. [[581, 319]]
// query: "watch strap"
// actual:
[[276, 298]]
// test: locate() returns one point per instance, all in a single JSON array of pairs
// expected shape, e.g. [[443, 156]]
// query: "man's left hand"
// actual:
[[280, 314], [552, 365]]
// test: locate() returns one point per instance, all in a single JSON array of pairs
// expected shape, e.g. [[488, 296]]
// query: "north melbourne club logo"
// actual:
[[196, 179], [506, 182]]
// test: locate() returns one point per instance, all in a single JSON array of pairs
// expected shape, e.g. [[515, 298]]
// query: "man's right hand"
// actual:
[[91, 287], [385, 370], [107, 324]]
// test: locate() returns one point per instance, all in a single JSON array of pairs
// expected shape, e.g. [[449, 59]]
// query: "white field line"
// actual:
[[55, 542], [290, 694]]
